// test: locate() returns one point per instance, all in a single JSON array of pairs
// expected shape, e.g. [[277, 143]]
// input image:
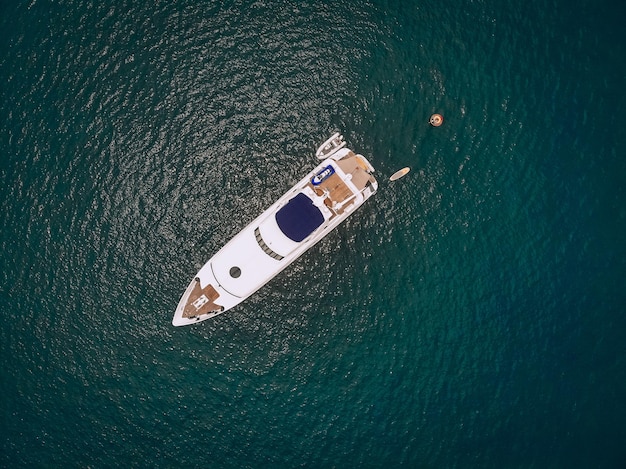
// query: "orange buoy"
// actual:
[[436, 120]]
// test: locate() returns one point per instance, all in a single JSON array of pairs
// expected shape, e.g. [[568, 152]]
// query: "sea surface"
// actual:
[[471, 314]]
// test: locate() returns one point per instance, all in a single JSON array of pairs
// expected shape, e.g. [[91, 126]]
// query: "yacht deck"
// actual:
[[201, 301], [336, 190]]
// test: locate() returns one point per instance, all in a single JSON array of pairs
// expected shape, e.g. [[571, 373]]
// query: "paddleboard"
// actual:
[[399, 174]]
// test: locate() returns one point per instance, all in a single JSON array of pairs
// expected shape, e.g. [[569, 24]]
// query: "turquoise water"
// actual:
[[470, 315]]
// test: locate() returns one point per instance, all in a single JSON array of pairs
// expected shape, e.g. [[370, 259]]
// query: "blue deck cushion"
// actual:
[[299, 218]]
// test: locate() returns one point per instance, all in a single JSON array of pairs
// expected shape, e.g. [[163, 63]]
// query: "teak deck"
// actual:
[[201, 301], [336, 190]]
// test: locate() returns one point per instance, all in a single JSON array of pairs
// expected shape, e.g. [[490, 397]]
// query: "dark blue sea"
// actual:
[[471, 314]]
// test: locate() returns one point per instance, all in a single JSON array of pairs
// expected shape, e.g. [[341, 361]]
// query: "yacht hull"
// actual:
[[298, 220]]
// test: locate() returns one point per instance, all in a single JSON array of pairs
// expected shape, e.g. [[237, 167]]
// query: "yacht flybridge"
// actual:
[[310, 210]]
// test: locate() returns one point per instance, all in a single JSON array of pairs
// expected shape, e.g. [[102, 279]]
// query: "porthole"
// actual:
[[235, 272]]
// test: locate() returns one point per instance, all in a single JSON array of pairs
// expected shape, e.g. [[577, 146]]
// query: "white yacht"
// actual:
[[306, 213]]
